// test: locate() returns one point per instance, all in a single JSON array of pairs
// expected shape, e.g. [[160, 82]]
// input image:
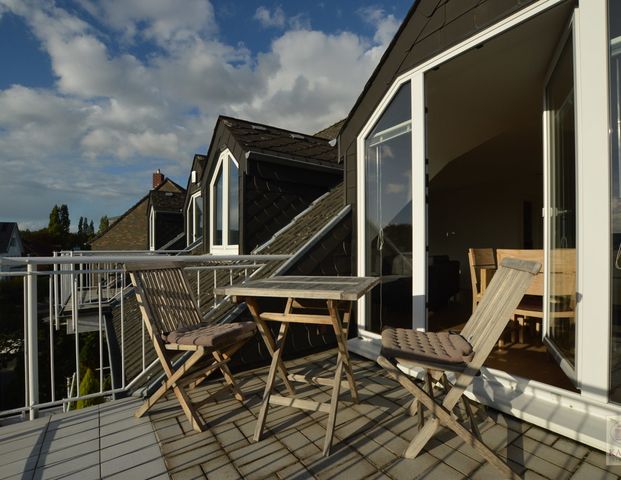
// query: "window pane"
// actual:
[[388, 192], [218, 205], [233, 203], [614, 29], [198, 217], [562, 259]]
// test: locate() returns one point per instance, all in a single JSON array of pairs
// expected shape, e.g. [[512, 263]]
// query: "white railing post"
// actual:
[[33, 350]]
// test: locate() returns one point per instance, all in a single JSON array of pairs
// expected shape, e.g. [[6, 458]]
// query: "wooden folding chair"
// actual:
[[462, 354], [174, 325]]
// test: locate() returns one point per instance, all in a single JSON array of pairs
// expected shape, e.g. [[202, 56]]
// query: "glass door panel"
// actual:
[[614, 52], [561, 265], [388, 214]]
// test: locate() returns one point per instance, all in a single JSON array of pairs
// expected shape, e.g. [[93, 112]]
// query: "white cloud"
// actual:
[[276, 18], [385, 25], [112, 118], [269, 19], [163, 21]]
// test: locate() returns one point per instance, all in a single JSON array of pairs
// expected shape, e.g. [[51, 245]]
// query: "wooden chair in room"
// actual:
[[175, 326], [562, 288], [463, 355], [482, 265]]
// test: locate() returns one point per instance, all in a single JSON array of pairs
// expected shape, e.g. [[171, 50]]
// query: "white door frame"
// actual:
[[419, 214]]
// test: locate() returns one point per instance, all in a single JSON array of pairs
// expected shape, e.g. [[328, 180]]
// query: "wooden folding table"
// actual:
[[339, 294]]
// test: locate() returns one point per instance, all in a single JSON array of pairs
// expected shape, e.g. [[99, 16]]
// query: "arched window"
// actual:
[[224, 196]]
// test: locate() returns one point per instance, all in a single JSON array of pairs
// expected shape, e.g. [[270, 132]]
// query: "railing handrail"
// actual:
[[141, 259]]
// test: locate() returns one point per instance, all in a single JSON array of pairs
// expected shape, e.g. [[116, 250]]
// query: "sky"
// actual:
[[97, 95]]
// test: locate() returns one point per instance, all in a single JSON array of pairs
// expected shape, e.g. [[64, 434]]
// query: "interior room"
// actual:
[[485, 151]]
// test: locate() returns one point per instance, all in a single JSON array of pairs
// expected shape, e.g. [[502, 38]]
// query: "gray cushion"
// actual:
[[212, 336], [436, 348]]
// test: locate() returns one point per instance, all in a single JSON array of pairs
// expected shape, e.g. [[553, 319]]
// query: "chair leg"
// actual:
[[226, 373], [442, 414]]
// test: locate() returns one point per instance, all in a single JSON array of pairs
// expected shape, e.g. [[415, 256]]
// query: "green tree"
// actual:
[[63, 212], [54, 225], [104, 223], [89, 384], [91, 230], [81, 226]]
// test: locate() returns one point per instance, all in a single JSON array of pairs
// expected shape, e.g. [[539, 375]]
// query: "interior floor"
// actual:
[[529, 360]]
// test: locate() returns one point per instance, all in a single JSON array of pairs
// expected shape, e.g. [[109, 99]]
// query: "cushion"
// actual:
[[212, 336], [437, 348]]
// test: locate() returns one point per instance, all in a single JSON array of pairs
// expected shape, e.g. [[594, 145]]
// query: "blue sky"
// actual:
[[94, 96]]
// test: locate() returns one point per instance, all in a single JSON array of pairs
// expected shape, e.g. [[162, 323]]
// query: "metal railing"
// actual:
[[75, 290]]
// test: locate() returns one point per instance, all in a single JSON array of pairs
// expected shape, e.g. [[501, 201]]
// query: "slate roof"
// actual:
[[6, 231], [167, 201], [168, 183], [332, 131], [315, 238], [268, 140]]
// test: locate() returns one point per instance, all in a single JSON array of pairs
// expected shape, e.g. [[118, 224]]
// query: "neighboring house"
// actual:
[[130, 231], [165, 210], [10, 245], [497, 124], [253, 181]]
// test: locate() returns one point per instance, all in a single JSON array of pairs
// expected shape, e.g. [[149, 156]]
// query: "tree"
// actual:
[[54, 225], [81, 226], [91, 230], [104, 223], [63, 212]]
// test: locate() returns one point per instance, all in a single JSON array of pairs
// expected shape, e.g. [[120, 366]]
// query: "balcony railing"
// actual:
[[74, 290]]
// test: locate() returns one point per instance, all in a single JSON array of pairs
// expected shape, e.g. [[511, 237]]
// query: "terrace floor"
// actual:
[[108, 442]]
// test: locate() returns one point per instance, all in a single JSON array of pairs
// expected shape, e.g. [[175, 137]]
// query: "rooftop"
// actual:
[[107, 441]]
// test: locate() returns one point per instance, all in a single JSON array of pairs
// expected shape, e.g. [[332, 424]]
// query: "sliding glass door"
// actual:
[[560, 269], [388, 214]]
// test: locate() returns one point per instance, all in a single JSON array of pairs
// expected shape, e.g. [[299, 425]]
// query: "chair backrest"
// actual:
[[164, 297], [499, 300], [534, 255], [479, 258]]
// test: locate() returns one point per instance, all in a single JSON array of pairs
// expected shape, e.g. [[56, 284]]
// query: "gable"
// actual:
[[430, 27]]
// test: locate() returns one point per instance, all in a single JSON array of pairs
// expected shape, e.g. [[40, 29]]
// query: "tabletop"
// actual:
[[324, 288]]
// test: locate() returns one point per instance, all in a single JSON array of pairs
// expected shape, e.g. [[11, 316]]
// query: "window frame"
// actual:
[[225, 248], [191, 219]]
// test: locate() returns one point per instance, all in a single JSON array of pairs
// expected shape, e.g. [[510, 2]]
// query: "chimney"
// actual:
[[158, 178]]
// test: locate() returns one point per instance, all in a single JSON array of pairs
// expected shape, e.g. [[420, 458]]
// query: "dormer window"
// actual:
[[224, 214], [195, 218]]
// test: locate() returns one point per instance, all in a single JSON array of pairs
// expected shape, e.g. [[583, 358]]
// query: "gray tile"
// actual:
[[590, 472], [598, 459], [552, 455], [144, 463], [83, 466], [220, 468], [192, 473]]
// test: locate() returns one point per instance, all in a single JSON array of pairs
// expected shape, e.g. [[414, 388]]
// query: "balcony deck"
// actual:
[[108, 442]]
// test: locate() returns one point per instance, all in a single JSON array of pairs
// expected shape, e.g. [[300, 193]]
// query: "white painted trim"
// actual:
[[419, 203], [191, 237], [152, 229], [593, 157], [224, 164]]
